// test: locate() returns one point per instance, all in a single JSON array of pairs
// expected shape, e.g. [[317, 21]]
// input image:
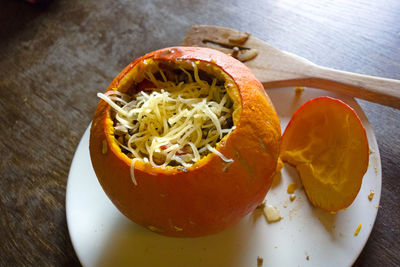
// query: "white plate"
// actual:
[[306, 236]]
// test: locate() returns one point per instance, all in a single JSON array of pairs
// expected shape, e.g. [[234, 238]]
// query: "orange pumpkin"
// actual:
[[211, 195], [327, 143]]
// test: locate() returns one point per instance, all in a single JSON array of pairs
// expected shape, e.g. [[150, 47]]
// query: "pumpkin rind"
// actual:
[[211, 195]]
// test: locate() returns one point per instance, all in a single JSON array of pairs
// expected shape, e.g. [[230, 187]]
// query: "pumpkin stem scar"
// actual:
[[242, 161]]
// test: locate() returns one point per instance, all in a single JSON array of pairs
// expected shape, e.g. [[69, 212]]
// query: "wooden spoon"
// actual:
[[276, 68]]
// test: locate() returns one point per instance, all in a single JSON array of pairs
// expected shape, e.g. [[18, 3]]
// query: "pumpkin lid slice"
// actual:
[[327, 143]]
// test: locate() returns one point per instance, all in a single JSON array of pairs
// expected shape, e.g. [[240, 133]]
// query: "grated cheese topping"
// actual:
[[174, 122]]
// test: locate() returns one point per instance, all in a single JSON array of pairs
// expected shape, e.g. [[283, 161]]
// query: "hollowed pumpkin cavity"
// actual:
[[173, 113]]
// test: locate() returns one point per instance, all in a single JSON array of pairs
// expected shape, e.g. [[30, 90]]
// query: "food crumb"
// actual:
[[279, 165], [371, 151], [235, 52], [182, 169], [299, 89], [272, 214], [358, 229], [292, 197], [178, 229], [154, 229], [308, 258], [371, 194], [291, 188], [260, 261], [261, 206]]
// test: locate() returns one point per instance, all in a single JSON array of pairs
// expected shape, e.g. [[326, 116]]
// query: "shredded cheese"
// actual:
[[218, 153], [357, 231], [176, 122], [133, 171]]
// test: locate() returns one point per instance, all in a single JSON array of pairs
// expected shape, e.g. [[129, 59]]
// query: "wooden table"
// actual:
[[55, 58]]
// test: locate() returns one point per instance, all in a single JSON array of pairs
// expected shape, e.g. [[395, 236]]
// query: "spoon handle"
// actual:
[[374, 89]]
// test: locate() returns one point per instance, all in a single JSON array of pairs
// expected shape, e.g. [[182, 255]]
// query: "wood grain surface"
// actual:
[[54, 58], [276, 68]]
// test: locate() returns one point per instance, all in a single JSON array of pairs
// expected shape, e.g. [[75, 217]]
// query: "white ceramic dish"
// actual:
[[306, 236]]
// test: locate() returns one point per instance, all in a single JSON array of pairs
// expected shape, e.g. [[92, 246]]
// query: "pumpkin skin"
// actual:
[[211, 195]]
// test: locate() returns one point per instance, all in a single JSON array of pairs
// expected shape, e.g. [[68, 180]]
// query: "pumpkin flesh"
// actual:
[[327, 143]]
